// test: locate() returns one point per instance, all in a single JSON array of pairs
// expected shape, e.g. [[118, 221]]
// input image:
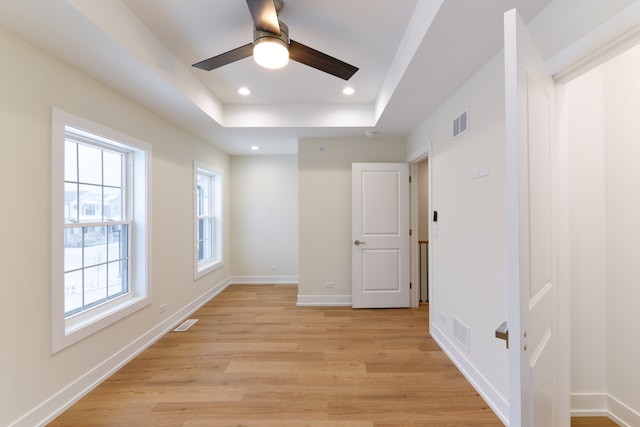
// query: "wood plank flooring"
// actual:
[[592, 422], [255, 359]]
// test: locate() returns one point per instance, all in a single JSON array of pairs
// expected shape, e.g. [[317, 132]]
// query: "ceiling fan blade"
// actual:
[[264, 15], [226, 58], [320, 61]]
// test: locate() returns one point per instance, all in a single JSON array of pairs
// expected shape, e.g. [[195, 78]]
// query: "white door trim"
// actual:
[[413, 160]]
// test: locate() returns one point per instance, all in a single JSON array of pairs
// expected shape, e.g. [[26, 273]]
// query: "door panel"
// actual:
[[380, 235], [533, 351], [381, 270]]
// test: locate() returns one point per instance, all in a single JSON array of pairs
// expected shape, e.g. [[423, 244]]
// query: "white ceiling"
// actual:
[[412, 55]]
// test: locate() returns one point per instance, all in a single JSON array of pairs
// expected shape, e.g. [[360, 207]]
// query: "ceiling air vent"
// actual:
[[461, 123]]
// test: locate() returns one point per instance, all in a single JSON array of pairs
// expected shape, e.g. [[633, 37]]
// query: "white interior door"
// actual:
[[380, 235], [530, 156]]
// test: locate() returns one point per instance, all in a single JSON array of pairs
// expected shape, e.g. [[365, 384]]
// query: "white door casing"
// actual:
[[531, 234], [380, 235]]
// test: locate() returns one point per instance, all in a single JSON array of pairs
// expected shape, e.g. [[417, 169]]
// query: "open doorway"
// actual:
[[420, 226], [604, 204]]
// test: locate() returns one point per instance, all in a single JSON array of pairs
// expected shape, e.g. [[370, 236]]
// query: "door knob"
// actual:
[[358, 242]]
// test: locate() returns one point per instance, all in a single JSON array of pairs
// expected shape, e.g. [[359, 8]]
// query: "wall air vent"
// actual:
[[185, 325], [461, 123]]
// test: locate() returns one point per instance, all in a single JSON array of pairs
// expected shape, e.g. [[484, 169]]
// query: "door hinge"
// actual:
[[410, 232], [409, 179], [410, 285]]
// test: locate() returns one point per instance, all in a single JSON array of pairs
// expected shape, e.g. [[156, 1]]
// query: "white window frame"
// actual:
[[204, 267], [69, 330]]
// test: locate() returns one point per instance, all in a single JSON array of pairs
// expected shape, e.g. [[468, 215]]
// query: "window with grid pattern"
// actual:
[[101, 199], [207, 219], [96, 231]]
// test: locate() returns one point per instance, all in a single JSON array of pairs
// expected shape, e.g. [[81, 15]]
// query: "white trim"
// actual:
[[420, 154], [324, 300], [63, 332], [62, 400], [264, 280], [203, 268], [414, 265], [423, 153], [563, 251], [497, 402], [589, 405], [621, 413], [608, 40], [603, 405]]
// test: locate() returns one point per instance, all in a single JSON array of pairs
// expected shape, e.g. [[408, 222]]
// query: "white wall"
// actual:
[[264, 227], [31, 83], [587, 240], [469, 247], [324, 173], [605, 207], [622, 147]]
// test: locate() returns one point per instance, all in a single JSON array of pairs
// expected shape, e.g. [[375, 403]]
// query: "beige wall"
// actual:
[[324, 173], [264, 227], [468, 249], [31, 83]]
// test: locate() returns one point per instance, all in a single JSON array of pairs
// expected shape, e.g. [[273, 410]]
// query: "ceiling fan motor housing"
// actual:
[[260, 35]]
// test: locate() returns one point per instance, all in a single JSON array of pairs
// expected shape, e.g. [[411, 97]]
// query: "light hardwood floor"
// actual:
[[255, 359], [592, 422]]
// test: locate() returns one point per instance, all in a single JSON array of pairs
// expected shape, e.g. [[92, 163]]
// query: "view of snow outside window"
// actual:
[[96, 241], [205, 217]]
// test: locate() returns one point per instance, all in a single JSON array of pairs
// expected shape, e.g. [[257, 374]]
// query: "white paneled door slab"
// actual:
[[531, 234], [380, 235]]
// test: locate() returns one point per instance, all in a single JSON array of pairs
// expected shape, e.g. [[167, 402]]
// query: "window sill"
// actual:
[[206, 268], [79, 327]]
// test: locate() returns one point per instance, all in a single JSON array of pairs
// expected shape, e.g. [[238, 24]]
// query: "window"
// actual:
[[100, 250], [207, 219], [96, 236]]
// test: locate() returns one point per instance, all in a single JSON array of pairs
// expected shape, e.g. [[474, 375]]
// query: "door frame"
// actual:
[[586, 54], [413, 161]]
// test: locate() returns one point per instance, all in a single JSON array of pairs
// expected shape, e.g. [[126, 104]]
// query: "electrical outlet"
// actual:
[[162, 308], [273, 267], [443, 317], [329, 284]]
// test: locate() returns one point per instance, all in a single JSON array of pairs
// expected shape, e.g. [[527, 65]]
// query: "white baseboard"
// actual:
[[589, 405], [62, 400], [494, 399], [621, 413], [603, 405], [264, 280], [324, 300]]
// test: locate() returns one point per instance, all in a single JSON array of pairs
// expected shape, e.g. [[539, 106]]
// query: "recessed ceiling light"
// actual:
[[244, 91], [348, 90], [255, 147]]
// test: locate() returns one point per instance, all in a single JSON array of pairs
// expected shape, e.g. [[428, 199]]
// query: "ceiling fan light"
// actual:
[[270, 52]]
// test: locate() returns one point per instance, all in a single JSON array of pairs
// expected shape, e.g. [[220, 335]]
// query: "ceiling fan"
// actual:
[[271, 33]]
